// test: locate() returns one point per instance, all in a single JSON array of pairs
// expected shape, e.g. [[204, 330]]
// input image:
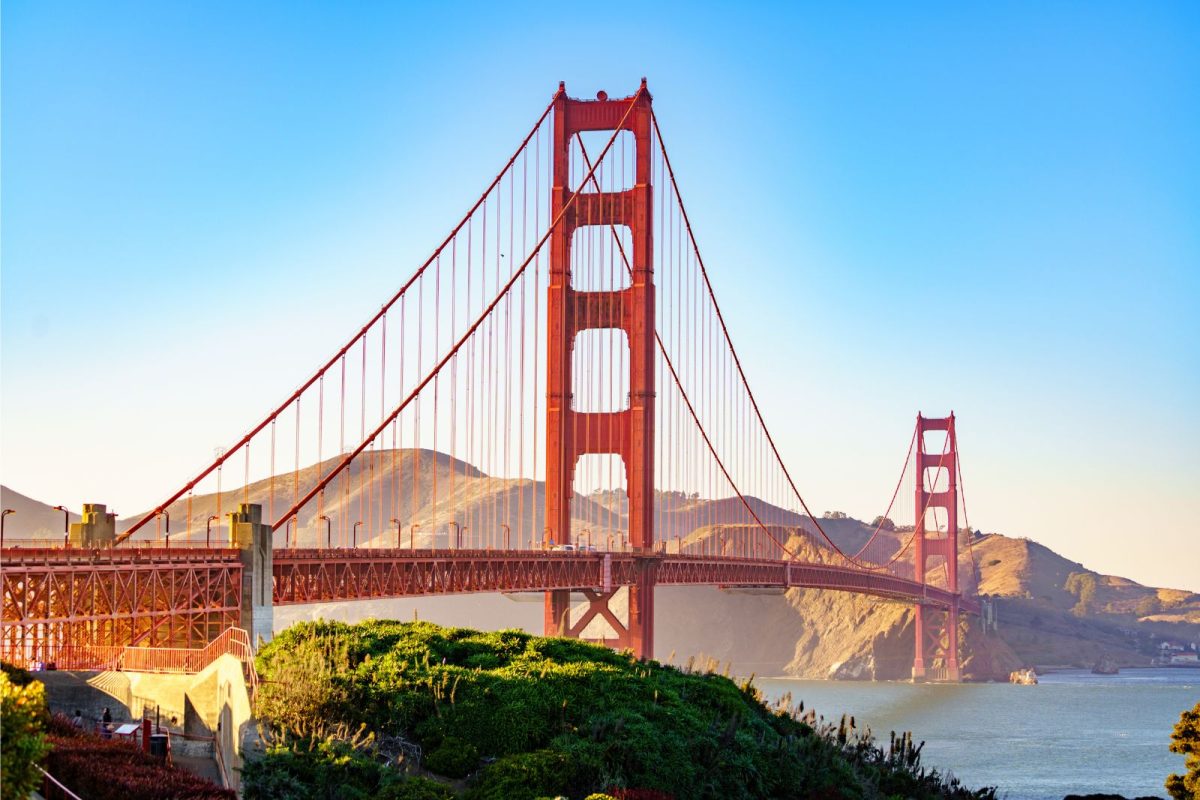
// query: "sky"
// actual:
[[985, 209]]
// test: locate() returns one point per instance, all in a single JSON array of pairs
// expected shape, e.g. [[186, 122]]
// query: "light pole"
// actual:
[[292, 524], [208, 529], [457, 535], [328, 534], [167, 534], [412, 534], [507, 535], [586, 532], [7, 511], [396, 522], [66, 524], [354, 534]]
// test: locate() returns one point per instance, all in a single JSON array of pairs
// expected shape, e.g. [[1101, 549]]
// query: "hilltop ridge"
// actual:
[[1051, 611]]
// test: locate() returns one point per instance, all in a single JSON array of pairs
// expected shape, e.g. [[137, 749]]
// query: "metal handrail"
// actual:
[[71, 795]]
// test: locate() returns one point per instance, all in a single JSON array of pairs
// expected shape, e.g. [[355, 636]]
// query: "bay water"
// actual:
[[1073, 733]]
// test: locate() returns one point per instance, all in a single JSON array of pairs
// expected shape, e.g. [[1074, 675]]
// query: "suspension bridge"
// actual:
[[552, 402]]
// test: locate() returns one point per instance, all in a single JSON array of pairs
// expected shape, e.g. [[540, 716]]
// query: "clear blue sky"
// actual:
[[987, 208]]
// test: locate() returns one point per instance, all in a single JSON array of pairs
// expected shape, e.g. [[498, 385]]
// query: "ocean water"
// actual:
[[1072, 733]]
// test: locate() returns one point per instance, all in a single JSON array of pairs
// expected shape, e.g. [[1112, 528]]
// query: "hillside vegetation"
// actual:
[[379, 708]]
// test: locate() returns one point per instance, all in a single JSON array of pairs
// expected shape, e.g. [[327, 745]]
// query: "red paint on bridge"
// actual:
[[684, 426]]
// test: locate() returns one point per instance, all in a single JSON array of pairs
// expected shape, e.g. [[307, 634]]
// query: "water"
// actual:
[[1073, 733]]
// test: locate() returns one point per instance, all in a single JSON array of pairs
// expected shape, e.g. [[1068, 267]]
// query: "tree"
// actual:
[[1186, 740], [1148, 605], [882, 522], [1083, 586], [22, 729]]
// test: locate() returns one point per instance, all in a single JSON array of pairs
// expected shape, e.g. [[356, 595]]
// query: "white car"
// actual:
[[563, 548]]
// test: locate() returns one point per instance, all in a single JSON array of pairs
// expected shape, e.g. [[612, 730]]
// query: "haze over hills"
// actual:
[[1051, 611]]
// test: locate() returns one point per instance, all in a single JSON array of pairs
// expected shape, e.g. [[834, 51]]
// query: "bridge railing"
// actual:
[[131, 658]]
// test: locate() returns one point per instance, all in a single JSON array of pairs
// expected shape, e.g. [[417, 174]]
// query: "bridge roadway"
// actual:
[[320, 575], [151, 586]]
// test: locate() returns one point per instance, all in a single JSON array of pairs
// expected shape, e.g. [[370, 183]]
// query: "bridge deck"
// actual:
[[320, 575]]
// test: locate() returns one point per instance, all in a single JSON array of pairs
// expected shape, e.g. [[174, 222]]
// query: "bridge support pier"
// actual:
[[253, 538], [935, 655], [636, 634], [570, 310]]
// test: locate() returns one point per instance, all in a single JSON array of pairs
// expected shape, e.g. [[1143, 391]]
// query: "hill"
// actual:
[[1051, 611], [508, 716]]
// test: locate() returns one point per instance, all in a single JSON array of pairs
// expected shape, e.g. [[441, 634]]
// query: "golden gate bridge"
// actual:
[[552, 402]]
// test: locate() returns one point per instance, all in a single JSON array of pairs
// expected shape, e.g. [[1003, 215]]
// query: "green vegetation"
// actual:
[[1083, 586], [1186, 740], [352, 708], [22, 731]]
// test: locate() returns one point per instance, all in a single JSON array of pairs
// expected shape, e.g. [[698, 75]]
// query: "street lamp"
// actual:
[[412, 534], [287, 531], [66, 523], [7, 511], [167, 534], [507, 535], [208, 529], [354, 534], [457, 535], [328, 535], [396, 522]]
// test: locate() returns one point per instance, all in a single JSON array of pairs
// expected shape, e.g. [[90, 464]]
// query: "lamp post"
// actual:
[[412, 534], [208, 529], [66, 524], [396, 522], [7, 511], [507, 535], [328, 534], [354, 534], [167, 533], [292, 524], [586, 532], [457, 535]]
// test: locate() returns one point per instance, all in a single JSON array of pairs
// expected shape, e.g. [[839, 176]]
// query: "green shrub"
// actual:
[[453, 758], [22, 731], [1185, 739], [549, 717]]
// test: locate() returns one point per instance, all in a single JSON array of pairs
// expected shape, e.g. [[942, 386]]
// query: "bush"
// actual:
[[453, 758], [1186, 740], [549, 717], [109, 769], [330, 769], [22, 731]]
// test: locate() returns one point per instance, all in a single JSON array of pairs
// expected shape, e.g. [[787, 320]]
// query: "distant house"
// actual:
[[1185, 658]]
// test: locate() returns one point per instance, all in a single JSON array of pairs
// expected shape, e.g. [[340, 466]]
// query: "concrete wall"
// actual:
[[214, 702]]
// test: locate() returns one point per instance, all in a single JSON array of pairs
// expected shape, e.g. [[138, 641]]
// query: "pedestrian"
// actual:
[[77, 721], [106, 724]]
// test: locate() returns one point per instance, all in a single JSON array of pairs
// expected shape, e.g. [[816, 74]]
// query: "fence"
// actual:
[[177, 660]]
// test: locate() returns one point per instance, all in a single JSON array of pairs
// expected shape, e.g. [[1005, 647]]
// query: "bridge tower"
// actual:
[[571, 434], [936, 652]]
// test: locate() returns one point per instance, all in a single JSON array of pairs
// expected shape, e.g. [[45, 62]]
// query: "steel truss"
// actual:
[[58, 602]]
